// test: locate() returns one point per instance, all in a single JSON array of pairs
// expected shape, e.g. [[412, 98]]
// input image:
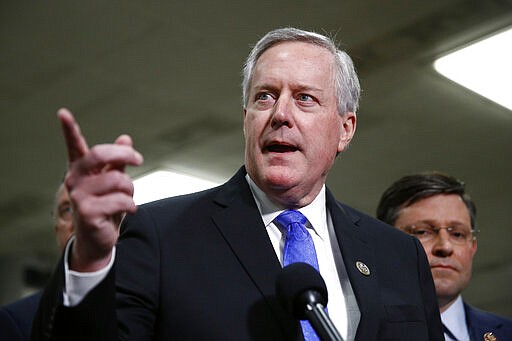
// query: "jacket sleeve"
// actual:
[[93, 319]]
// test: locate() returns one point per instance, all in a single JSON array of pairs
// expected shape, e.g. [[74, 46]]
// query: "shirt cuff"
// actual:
[[78, 284]]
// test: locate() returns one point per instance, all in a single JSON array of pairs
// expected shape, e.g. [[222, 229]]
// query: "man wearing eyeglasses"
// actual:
[[16, 318], [436, 209]]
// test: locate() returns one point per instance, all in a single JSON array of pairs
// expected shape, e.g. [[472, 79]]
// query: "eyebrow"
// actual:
[[295, 88], [310, 89], [451, 223]]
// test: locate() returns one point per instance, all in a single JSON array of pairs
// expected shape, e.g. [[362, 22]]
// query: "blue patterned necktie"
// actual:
[[298, 247]]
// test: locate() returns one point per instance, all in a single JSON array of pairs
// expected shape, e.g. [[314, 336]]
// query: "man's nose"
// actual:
[[283, 112], [442, 245]]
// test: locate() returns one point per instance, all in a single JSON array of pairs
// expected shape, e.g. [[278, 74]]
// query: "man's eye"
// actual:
[[65, 211], [305, 98], [458, 234], [421, 232], [263, 96]]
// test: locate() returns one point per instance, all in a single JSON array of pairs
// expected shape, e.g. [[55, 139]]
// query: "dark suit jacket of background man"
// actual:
[[202, 267], [16, 318], [480, 322]]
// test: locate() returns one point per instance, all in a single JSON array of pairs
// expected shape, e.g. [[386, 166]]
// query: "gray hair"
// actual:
[[346, 82]]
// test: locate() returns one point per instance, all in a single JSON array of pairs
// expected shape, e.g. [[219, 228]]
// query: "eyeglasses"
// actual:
[[458, 234], [64, 212]]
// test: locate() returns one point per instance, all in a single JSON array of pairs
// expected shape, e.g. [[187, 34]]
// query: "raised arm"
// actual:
[[100, 193]]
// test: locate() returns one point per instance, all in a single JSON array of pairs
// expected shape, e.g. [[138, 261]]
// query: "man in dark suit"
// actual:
[[436, 209], [204, 266], [16, 318]]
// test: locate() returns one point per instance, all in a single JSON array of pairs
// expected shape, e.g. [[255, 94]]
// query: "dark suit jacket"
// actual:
[[481, 322], [202, 267], [16, 318]]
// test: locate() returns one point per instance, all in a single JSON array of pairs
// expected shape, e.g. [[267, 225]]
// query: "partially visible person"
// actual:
[[435, 208], [16, 318], [63, 216]]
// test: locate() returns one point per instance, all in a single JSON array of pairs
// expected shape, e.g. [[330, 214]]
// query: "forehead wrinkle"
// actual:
[[314, 61], [295, 86]]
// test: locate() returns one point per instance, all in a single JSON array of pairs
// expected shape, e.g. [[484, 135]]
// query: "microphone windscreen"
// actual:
[[297, 280]]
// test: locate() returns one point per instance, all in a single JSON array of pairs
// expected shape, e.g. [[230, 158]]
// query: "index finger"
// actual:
[[75, 141]]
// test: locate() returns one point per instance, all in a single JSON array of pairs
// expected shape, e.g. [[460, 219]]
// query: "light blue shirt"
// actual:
[[454, 318]]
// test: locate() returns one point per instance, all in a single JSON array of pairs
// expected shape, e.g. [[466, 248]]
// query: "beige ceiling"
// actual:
[[168, 74]]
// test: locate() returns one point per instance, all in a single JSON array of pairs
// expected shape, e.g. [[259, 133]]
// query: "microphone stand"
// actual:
[[325, 329]]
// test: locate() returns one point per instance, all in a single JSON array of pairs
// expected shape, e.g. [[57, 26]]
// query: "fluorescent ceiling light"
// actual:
[[484, 67], [163, 184]]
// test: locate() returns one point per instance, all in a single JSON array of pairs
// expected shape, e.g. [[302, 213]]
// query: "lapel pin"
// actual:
[[489, 336], [363, 268]]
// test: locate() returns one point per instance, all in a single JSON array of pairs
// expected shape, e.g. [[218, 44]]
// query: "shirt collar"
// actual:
[[315, 212], [454, 318]]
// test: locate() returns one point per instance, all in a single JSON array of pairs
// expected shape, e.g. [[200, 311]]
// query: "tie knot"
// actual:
[[288, 217]]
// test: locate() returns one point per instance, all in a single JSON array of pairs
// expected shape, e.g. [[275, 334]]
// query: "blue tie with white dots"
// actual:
[[298, 247]]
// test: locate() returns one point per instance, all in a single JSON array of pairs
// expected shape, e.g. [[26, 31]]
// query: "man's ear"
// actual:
[[243, 125], [473, 247], [347, 130]]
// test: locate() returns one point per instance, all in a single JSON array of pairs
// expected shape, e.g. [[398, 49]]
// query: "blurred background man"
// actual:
[[436, 209], [16, 318]]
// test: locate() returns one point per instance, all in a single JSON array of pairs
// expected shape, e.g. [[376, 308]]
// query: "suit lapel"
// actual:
[[241, 225], [479, 323], [355, 247]]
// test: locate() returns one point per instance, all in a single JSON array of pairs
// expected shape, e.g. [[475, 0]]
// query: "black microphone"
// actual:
[[303, 293]]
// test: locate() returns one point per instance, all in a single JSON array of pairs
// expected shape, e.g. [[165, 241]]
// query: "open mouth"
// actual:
[[281, 148]]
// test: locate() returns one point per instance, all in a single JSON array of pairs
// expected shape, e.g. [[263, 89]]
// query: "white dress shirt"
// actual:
[[78, 284], [342, 305]]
